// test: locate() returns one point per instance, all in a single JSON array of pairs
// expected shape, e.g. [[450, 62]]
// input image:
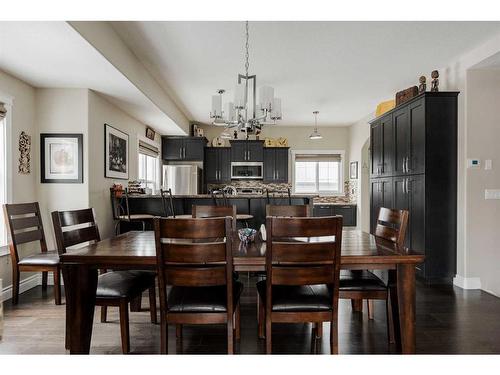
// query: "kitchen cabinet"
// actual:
[[414, 167], [247, 150], [217, 165], [183, 148], [347, 211], [276, 164]]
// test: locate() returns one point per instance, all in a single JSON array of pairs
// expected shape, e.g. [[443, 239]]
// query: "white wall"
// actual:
[[102, 112], [24, 186]]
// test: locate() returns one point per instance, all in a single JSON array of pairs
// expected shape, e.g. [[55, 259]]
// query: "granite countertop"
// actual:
[[201, 196], [333, 204]]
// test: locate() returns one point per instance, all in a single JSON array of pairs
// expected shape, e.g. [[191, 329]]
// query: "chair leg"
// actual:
[[178, 331], [357, 305], [57, 286], [45, 275], [262, 318], [268, 334], [124, 327], [237, 315], [319, 329], [390, 321], [15, 285], [117, 227], [104, 314], [143, 225], [163, 335], [152, 304], [369, 306], [334, 338], [230, 335]]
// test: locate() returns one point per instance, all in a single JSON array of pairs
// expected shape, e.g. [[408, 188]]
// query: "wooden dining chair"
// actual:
[[121, 211], [299, 210], [167, 201], [201, 211], [24, 224], [358, 285], [302, 281], [278, 195], [114, 288], [194, 257]]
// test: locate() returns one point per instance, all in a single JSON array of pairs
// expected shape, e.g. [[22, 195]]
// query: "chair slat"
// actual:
[[192, 228], [196, 276], [69, 218], [386, 232], [301, 252], [22, 208], [25, 222], [397, 221], [30, 236], [81, 235], [307, 275], [304, 227], [200, 253], [287, 210]]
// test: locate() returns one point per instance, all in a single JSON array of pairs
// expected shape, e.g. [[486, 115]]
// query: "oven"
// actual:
[[247, 170]]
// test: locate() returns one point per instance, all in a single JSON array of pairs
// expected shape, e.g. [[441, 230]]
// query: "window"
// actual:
[[3, 178], [318, 173], [149, 165]]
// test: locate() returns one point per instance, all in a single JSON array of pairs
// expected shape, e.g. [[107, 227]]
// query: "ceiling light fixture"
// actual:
[[315, 134], [245, 113]]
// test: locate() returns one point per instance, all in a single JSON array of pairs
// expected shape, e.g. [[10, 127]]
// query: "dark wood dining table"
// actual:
[[136, 250]]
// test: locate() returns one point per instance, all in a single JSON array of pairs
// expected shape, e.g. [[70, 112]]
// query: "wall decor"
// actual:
[[24, 153], [435, 81], [269, 142], [61, 158], [150, 133], [282, 142], [115, 153], [353, 170], [423, 85]]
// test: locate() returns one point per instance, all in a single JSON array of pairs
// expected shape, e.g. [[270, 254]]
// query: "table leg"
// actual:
[[393, 295], [80, 284], [357, 305], [406, 303], [135, 304]]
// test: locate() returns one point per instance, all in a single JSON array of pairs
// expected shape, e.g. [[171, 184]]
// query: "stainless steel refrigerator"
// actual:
[[182, 179]]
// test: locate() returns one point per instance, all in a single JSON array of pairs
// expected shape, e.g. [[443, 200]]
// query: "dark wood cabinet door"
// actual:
[[401, 129], [269, 164], [281, 165], [211, 170], [416, 207], [387, 155], [224, 164], [193, 149], [348, 214], [376, 149], [255, 151], [322, 210], [172, 148], [239, 151], [416, 114]]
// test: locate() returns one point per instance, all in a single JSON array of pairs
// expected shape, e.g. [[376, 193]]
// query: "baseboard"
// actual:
[[24, 285], [467, 282]]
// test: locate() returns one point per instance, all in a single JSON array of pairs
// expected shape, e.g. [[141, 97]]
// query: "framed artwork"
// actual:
[[61, 158], [150, 133], [116, 160], [353, 170]]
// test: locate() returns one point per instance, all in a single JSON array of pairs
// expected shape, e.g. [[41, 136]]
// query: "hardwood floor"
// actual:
[[449, 321]]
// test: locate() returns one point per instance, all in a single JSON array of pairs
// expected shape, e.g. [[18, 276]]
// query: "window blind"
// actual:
[[318, 157], [148, 149]]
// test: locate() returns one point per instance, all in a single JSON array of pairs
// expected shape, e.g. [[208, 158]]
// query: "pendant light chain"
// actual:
[[247, 55]]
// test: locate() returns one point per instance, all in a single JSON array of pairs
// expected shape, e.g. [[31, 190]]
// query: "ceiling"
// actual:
[[53, 54], [342, 69]]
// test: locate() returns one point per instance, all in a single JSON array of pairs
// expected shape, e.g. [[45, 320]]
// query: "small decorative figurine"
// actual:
[[435, 81], [423, 86], [235, 134]]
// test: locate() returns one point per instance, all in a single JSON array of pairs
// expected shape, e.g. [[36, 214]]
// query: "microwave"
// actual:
[[247, 170]]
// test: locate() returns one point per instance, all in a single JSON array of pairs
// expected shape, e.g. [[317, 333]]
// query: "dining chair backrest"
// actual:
[[301, 210], [303, 251], [278, 195], [219, 198], [202, 211], [392, 225], [193, 253], [24, 224], [167, 201], [74, 227]]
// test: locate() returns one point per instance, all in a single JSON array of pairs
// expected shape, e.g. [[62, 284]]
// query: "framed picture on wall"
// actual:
[[116, 161], [150, 133], [353, 170], [61, 158]]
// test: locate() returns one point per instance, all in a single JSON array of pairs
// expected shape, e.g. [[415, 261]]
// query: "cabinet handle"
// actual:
[[184, 152], [180, 153], [408, 169]]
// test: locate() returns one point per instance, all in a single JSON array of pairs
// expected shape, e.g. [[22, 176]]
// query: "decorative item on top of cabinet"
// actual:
[[423, 85], [218, 142], [405, 95], [384, 107], [25, 151], [270, 142], [282, 142], [435, 81]]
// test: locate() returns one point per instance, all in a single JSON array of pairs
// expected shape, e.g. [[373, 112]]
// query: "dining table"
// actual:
[[137, 250]]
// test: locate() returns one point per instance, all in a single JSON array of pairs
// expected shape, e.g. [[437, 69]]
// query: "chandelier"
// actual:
[[315, 134], [245, 113]]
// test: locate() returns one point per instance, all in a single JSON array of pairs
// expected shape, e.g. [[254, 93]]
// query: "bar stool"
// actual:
[[122, 214]]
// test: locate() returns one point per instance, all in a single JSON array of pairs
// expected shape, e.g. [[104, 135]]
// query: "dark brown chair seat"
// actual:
[[203, 299], [298, 298], [360, 280], [50, 258], [124, 284]]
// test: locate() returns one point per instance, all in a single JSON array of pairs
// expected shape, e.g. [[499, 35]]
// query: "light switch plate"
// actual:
[[473, 163], [492, 194]]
